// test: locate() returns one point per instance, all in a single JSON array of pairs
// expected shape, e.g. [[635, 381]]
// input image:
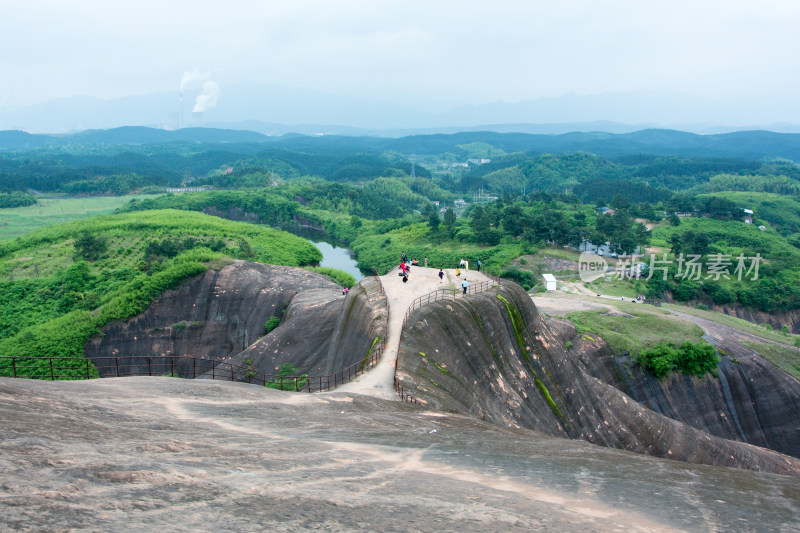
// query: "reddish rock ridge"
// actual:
[[222, 315], [751, 400], [493, 357], [215, 315]]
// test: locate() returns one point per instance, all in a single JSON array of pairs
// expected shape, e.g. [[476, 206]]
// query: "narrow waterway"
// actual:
[[340, 258]]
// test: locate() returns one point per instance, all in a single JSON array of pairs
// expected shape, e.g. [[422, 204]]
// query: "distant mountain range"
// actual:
[[276, 110], [751, 145]]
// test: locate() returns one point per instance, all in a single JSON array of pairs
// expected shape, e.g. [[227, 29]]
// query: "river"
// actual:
[[340, 258]]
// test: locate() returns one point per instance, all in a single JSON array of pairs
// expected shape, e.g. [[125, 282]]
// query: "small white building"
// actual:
[[549, 282]]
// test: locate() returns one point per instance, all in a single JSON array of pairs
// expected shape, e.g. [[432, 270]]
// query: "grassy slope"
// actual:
[[52, 302], [18, 221], [643, 329], [781, 212], [784, 357]]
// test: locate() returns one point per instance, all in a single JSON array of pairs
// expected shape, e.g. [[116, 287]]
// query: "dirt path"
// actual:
[[559, 303], [379, 382]]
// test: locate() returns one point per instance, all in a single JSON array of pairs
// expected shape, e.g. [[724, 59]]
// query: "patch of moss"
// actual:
[[441, 369], [369, 352], [516, 323], [548, 398]]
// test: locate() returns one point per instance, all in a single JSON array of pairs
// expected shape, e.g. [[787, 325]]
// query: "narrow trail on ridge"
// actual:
[[379, 382]]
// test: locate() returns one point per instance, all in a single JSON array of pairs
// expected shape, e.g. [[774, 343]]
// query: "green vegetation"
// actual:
[[375, 341], [52, 300], [635, 329], [19, 221], [787, 358], [272, 323], [694, 359], [361, 192], [288, 379], [16, 199], [339, 277]]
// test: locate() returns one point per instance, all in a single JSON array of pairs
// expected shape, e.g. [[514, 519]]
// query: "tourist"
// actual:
[[479, 265], [345, 290], [464, 285], [441, 275], [426, 261]]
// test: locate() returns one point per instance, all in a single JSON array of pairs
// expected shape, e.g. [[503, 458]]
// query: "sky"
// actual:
[[425, 52]]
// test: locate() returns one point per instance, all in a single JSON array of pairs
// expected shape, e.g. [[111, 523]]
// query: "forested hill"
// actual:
[[744, 144]]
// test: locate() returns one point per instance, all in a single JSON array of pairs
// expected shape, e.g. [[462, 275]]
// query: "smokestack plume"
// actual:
[[207, 99]]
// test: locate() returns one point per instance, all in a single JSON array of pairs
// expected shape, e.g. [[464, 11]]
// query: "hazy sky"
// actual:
[[470, 52]]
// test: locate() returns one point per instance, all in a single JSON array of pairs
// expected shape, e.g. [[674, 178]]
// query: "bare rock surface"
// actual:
[[323, 331], [213, 316], [161, 454], [492, 356], [750, 401]]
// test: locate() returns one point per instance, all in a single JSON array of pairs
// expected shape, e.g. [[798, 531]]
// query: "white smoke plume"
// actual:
[[207, 99], [190, 77]]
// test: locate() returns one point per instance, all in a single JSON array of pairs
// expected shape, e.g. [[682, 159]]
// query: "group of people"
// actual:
[[405, 268]]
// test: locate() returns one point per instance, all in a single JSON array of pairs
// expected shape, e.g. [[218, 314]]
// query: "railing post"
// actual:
[[52, 377], [172, 366], [116, 364], [213, 369], [149, 367], [87, 368], [295, 383], [14, 365], [194, 367]]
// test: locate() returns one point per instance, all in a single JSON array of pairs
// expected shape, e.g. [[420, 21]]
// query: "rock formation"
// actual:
[[493, 357], [323, 331], [222, 315]]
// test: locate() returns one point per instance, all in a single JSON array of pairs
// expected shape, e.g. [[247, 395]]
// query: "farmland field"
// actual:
[[18, 221]]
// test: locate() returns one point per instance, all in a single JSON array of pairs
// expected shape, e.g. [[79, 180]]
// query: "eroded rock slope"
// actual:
[[750, 401], [493, 357], [222, 315]]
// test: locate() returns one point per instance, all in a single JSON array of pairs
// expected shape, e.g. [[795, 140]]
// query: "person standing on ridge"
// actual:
[[479, 265], [464, 285], [426, 261], [441, 275]]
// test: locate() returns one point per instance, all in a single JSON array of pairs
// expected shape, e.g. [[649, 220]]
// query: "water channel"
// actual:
[[335, 257]]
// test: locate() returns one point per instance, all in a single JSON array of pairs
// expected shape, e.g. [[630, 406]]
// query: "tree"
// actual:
[[449, 218], [513, 220], [677, 244], [620, 202], [89, 247], [674, 220], [434, 220]]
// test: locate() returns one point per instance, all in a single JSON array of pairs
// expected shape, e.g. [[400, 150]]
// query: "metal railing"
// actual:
[[449, 293], [72, 368], [435, 296], [400, 390]]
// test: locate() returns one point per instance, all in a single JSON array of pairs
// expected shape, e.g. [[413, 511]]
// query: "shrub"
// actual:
[[690, 358], [340, 277], [272, 323], [292, 380]]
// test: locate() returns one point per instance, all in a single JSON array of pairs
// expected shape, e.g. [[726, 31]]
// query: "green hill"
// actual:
[[60, 284]]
